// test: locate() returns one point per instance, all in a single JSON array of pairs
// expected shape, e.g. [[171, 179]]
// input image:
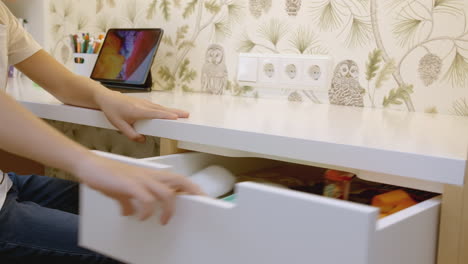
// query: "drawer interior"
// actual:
[[303, 178]]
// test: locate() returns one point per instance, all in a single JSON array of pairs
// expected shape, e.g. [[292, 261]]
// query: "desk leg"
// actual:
[[168, 147], [450, 235], [453, 233]]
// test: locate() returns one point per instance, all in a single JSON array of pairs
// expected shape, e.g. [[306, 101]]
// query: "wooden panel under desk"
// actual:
[[168, 147], [13, 163]]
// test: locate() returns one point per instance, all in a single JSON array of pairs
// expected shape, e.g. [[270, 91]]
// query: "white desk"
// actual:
[[412, 149]]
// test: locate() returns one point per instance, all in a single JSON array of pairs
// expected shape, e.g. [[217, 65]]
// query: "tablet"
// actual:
[[126, 56]]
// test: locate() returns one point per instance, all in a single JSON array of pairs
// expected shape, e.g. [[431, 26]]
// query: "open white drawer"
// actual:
[[266, 225]]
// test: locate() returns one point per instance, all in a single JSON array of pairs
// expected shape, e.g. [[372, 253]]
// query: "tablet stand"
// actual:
[[131, 88]]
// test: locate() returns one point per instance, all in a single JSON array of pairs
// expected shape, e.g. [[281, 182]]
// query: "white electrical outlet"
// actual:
[[291, 71], [279, 71], [316, 72], [268, 70]]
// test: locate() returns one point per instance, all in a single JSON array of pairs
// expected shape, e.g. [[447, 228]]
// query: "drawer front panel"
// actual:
[[265, 225]]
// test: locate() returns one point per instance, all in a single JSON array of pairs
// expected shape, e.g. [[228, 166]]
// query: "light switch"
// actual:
[[247, 71]]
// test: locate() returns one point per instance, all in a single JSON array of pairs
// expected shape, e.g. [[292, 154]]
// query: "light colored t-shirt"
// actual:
[[16, 45]]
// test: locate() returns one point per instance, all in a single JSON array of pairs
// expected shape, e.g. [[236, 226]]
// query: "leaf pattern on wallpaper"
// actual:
[[56, 28], [212, 6], [402, 92], [100, 4], [457, 73], [181, 33], [398, 96], [164, 5], [190, 8], [305, 41], [460, 107], [431, 110], [166, 9], [177, 3], [359, 32], [380, 78], [411, 25], [237, 90], [82, 22], [103, 23], [235, 11], [384, 75], [167, 40], [151, 11], [184, 68], [165, 74], [349, 18], [246, 44], [295, 97], [273, 31], [52, 7], [68, 8], [329, 18], [222, 29], [373, 64], [131, 11], [452, 7]]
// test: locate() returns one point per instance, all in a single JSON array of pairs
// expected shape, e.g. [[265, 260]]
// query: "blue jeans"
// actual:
[[39, 223]]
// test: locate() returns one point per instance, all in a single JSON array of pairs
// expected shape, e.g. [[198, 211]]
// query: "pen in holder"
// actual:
[[86, 49], [84, 63]]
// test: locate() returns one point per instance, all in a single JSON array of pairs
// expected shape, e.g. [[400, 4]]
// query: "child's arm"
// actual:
[[122, 111], [24, 134]]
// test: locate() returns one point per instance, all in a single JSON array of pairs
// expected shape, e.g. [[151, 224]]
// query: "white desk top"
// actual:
[[416, 145]]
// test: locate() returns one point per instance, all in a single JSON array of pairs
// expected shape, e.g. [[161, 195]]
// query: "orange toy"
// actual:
[[392, 202]]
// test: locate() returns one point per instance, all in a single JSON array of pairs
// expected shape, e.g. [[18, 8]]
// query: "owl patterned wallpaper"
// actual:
[[402, 54]]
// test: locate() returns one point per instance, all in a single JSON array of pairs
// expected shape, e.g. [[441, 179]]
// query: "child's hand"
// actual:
[[125, 183], [123, 111]]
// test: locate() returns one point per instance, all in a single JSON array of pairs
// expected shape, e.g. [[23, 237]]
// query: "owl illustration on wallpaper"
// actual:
[[345, 88], [258, 7], [293, 7], [214, 77]]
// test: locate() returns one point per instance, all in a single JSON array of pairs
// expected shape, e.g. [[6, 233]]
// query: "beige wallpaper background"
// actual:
[[409, 55]]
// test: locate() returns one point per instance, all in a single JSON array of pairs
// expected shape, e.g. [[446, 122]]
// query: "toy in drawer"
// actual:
[[265, 225]]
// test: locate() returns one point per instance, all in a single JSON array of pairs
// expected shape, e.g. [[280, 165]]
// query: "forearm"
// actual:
[[66, 86], [78, 91], [25, 135]]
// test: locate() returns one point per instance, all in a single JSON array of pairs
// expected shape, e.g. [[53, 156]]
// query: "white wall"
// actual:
[[35, 12]]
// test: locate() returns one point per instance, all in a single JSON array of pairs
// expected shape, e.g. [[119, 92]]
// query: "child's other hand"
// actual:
[[125, 183]]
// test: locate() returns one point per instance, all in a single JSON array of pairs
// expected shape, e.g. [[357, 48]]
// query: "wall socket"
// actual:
[[283, 71]]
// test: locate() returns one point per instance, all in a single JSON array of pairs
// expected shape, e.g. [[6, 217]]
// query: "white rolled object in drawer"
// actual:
[[265, 225]]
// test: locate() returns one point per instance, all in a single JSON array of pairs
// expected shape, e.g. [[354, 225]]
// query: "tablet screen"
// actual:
[[126, 55]]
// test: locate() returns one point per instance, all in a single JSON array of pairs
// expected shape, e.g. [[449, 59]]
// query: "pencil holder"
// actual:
[[83, 63]]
